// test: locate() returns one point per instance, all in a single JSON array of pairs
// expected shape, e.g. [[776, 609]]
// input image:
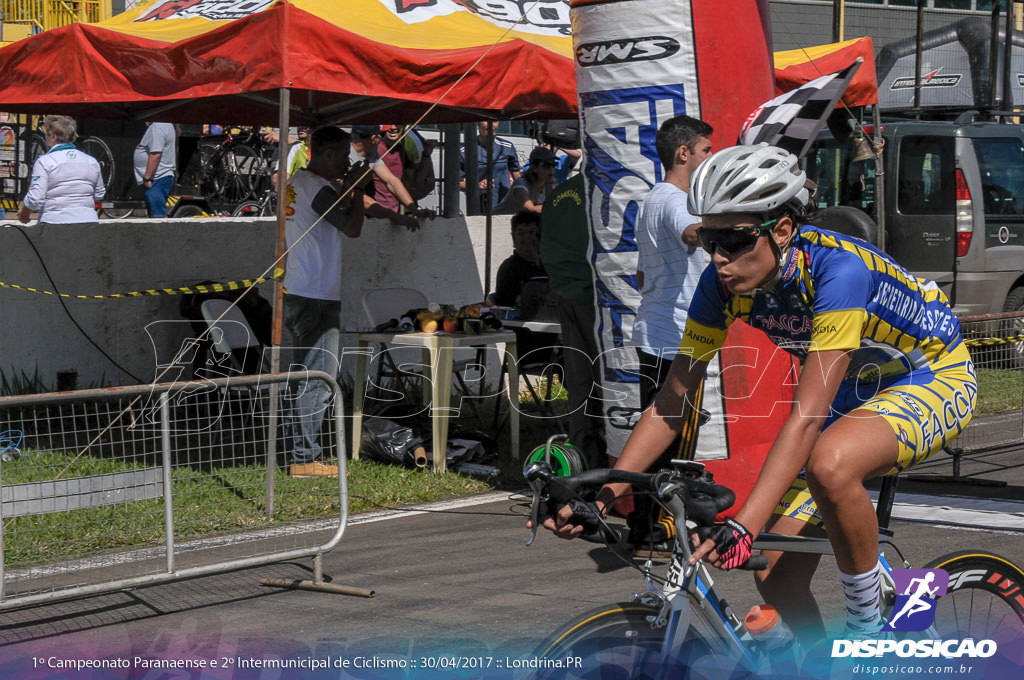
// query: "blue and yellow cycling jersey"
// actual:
[[834, 293]]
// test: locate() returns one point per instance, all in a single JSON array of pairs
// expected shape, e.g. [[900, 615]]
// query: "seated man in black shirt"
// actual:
[[524, 262], [521, 266]]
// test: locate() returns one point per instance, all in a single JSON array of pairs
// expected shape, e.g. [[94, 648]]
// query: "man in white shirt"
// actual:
[[317, 221], [155, 162], [670, 264]]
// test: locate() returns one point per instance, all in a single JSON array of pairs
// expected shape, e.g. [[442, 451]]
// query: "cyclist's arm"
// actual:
[[819, 381], [656, 430]]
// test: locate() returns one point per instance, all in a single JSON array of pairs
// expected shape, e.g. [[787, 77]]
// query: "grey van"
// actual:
[[951, 207]]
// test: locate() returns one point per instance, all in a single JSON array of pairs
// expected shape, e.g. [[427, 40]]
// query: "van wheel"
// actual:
[[1014, 328]]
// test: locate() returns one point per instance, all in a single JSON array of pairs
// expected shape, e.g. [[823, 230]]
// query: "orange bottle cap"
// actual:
[[761, 619]]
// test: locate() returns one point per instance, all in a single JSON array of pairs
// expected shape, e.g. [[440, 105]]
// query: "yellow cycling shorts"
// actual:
[[926, 408]]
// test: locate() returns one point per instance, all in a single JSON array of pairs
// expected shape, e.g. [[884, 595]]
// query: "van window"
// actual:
[[1001, 165], [841, 179], [926, 182]]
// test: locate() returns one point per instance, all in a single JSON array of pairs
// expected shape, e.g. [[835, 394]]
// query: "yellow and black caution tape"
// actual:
[[201, 288], [990, 342]]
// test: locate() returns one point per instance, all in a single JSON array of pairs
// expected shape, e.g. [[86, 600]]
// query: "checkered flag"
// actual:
[[792, 120]]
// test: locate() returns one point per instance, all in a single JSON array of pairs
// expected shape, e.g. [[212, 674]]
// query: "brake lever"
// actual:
[[537, 474]]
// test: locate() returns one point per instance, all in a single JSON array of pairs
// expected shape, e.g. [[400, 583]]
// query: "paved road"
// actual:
[[455, 580]]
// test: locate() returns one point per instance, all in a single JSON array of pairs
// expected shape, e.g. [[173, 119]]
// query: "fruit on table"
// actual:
[[428, 325]]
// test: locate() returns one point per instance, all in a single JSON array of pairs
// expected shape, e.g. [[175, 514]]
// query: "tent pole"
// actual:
[[284, 103], [282, 125], [488, 203]]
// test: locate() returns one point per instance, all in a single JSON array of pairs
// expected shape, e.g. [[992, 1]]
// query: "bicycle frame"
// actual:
[[675, 613], [682, 624]]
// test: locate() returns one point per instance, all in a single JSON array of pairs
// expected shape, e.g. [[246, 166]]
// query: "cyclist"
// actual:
[[886, 379]]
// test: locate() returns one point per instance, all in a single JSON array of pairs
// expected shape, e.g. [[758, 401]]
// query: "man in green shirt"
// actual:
[[564, 242]]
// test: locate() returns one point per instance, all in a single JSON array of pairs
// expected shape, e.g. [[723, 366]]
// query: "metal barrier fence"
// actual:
[[996, 343], [118, 487]]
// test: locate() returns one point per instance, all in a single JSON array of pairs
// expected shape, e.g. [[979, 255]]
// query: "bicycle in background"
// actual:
[[681, 626], [236, 168], [266, 206]]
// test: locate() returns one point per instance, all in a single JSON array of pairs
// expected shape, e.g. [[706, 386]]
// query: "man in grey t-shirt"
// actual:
[[155, 161]]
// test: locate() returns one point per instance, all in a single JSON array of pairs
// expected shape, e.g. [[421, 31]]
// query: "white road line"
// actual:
[[961, 511], [434, 506]]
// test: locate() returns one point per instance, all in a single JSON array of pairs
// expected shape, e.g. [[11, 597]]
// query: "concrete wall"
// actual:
[[444, 259]]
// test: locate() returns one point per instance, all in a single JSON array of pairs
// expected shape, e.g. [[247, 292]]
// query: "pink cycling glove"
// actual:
[[732, 542]]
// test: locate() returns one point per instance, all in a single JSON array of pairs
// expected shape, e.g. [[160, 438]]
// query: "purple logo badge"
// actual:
[[917, 593]]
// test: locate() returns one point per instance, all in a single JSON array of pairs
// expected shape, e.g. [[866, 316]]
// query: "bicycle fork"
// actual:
[[690, 592]]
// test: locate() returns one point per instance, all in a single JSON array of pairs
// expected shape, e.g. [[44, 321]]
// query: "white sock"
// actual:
[[863, 600]]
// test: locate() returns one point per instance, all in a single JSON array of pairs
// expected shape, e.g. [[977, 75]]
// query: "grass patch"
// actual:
[[206, 502], [999, 391]]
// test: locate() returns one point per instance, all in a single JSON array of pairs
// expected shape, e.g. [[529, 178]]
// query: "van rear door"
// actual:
[[921, 227], [994, 262]]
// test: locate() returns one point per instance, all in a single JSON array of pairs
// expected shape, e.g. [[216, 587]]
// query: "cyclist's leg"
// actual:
[[786, 583], [854, 448], [910, 418]]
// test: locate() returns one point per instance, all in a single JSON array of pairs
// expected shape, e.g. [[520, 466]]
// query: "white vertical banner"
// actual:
[[635, 69]]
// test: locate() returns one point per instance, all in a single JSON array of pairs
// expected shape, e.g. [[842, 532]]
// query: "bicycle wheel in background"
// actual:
[[268, 206], [985, 599], [246, 209], [201, 176], [98, 149], [618, 641], [234, 173], [36, 148]]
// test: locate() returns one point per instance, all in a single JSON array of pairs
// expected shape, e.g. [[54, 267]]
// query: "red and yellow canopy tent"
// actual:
[[352, 61], [794, 68]]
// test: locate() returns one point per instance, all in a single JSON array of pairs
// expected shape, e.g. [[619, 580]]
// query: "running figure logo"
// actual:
[[918, 591]]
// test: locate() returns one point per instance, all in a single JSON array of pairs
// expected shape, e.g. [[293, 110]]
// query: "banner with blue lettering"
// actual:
[[639, 63]]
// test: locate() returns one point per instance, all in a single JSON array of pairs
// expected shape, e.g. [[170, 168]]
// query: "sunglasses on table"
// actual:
[[734, 239]]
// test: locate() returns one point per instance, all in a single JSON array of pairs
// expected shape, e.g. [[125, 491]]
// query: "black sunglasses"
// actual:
[[734, 240]]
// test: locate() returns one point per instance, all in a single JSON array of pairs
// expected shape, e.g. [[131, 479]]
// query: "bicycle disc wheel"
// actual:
[[617, 642], [985, 599]]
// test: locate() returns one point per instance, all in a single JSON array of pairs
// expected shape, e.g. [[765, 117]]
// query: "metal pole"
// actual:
[[993, 57], [284, 106], [488, 206], [469, 143], [1008, 57], [165, 431], [876, 118], [450, 170], [838, 20], [917, 55]]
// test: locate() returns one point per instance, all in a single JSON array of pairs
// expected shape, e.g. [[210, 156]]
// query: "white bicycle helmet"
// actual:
[[748, 179]]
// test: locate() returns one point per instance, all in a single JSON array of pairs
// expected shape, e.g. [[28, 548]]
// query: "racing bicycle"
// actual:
[[681, 626], [266, 206]]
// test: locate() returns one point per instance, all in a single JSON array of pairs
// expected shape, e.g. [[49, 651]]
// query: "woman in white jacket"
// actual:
[[66, 182]]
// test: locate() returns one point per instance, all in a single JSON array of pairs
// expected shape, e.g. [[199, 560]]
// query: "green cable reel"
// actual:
[[565, 459]]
